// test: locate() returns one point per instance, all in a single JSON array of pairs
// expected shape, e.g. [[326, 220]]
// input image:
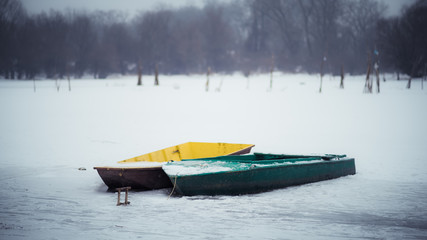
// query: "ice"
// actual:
[[47, 135]]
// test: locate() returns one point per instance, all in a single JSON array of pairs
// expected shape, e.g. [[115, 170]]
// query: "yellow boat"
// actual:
[[191, 150], [153, 177]]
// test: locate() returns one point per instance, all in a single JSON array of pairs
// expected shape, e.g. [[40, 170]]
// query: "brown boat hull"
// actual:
[[144, 178], [141, 178]]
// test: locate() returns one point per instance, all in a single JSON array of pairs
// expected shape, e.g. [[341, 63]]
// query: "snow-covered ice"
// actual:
[[202, 167], [47, 135]]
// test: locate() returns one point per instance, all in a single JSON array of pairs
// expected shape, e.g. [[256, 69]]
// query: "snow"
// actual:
[[47, 135], [186, 168], [196, 167]]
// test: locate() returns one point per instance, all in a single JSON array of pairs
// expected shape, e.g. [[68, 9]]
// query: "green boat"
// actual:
[[254, 173]]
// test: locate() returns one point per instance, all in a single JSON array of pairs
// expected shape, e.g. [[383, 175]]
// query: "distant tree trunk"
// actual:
[[377, 68], [218, 89], [247, 80], [377, 73], [57, 84], [67, 69], [207, 79], [271, 71], [321, 73], [156, 77], [424, 77], [342, 77], [368, 84], [414, 67], [69, 84], [139, 73]]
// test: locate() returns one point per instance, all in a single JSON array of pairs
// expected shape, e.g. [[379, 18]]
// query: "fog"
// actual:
[[132, 7]]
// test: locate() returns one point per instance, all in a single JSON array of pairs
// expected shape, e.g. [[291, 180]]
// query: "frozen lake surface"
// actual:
[[47, 135]]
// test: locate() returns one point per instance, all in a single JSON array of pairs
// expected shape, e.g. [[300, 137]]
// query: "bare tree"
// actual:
[[82, 39], [153, 29], [187, 55], [257, 46], [360, 17], [139, 66], [27, 55], [284, 14], [156, 75], [217, 38], [53, 30], [12, 16], [307, 8], [368, 82], [238, 35]]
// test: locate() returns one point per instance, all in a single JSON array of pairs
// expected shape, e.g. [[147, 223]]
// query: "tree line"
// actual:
[[249, 36]]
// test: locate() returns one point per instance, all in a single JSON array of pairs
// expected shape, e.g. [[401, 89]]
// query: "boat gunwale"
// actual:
[[266, 157], [258, 161], [129, 168]]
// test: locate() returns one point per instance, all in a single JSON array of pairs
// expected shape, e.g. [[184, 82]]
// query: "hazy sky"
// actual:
[[133, 6], [394, 6], [130, 6]]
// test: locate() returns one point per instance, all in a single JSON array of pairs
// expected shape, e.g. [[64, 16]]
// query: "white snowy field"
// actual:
[[47, 135]]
